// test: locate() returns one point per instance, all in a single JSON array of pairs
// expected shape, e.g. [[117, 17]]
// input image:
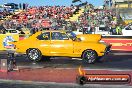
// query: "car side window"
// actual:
[[44, 36], [59, 36], [129, 27]]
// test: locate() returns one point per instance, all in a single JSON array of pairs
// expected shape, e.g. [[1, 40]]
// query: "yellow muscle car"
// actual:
[[60, 43]]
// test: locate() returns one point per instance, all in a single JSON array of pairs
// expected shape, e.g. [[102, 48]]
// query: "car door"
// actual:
[[61, 44], [43, 43]]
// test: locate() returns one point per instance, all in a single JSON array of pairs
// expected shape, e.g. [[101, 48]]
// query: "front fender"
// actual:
[[98, 47]]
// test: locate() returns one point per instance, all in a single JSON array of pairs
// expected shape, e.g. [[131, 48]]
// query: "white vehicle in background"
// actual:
[[78, 32], [102, 32], [12, 31], [127, 31]]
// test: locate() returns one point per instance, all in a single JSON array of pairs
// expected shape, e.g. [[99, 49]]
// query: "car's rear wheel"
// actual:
[[34, 54], [89, 56]]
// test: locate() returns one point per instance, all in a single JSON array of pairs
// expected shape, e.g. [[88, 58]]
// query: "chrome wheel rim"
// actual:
[[89, 57], [33, 54]]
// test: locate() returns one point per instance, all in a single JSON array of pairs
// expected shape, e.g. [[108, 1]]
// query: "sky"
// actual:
[[51, 2]]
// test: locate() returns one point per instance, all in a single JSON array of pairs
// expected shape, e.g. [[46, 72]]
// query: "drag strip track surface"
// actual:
[[59, 69], [120, 61], [24, 84]]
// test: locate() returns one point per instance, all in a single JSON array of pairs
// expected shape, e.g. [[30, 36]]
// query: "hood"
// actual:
[[89, 37]]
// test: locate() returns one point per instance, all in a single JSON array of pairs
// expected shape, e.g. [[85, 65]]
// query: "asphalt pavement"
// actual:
[[113, 61], [28, 84], [119, 61]]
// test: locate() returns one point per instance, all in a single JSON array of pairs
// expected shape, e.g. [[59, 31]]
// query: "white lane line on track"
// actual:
[[26, 82], [76, 59], [122, 53], [108, 69]]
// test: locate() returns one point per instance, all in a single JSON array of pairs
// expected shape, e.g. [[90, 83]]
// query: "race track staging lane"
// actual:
[[65, 70]]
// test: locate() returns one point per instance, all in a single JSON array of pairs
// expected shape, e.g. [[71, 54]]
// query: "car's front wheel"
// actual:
[[34, 54], [89, 56]]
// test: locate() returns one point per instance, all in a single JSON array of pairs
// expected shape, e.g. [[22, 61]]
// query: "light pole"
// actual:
[[129, 4]]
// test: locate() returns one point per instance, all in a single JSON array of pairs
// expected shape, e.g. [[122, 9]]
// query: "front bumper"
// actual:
[[107, 49]]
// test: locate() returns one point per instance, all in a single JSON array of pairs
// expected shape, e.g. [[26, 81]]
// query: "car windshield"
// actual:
[[12, 31], [71, 35]]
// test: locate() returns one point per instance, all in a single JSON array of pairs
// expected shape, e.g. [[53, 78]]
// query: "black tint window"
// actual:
[[44, 36], [59, 36], [12, 31], [128, 28]]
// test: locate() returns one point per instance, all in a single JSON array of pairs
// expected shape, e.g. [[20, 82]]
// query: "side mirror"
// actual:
[[76, 39]]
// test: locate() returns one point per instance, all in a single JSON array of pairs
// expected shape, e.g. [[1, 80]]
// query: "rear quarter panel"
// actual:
[[25, 44], [80, 47]]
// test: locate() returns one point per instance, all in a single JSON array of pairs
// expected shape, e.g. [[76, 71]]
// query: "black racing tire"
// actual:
[[34, 54], [89, 56]]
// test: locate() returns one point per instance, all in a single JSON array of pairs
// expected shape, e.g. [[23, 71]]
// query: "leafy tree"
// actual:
[[74, 1]]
